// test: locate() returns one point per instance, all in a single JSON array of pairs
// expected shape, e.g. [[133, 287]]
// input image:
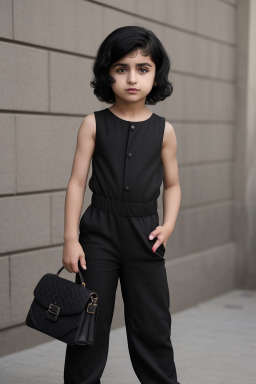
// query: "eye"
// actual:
[[144, 69], [120, 70]]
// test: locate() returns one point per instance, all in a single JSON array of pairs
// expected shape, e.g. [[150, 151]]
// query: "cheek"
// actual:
[[117, 88], [149, 79], [148, 84], [117, 83]]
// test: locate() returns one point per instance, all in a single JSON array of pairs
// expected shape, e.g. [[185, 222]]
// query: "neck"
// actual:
[[131, 111]]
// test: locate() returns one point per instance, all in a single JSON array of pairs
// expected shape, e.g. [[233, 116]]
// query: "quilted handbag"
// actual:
[[64, 310]]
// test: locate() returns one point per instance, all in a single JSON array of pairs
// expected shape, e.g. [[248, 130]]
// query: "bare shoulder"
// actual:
[[169, 135], [169, 128], [88, 126]]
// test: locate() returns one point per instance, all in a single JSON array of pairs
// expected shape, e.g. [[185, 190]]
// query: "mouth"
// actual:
[[132, 90]]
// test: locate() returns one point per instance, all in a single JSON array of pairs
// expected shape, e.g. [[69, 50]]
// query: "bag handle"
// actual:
[[80, 274]]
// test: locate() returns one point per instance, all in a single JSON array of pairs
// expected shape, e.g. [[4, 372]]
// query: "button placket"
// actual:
[[128, 157]]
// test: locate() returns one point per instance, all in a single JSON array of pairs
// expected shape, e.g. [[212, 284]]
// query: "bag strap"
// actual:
[[80, 274]]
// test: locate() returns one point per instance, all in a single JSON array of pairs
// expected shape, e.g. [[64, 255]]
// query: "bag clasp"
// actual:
[[91, 308], [53, 312]]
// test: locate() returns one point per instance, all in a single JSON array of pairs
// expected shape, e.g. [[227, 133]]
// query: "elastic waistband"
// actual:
[[124, 208]]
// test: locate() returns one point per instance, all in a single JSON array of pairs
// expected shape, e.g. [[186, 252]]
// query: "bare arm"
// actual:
[[76, 189], [172, 191]]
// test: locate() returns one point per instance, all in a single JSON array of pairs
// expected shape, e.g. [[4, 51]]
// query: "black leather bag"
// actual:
[[64, 310]]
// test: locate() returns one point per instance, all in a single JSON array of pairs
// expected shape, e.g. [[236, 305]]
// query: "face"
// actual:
[[133, 71]]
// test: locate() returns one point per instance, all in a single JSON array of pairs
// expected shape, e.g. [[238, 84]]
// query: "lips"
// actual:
[[132, 90]]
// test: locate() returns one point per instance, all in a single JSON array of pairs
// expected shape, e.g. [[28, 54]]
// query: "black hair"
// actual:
[[119, 43]]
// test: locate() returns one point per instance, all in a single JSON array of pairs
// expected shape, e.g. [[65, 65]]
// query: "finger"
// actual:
[[153, 234], [67, 267], [74, 267], [156, 245], [82, 261]]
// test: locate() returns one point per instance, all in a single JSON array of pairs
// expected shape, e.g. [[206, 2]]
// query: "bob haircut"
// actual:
[[120, 42]]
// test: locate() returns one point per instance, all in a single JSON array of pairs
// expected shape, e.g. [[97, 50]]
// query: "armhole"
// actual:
[[163, 131], [96, 130]]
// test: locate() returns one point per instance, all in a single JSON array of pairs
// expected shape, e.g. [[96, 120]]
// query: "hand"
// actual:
[[72, 252], [162, 233]]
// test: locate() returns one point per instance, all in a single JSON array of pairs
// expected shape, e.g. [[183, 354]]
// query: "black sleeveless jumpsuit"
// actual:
[[127, 173]]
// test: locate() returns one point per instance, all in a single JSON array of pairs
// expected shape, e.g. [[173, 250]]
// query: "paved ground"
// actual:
[[214, 343]]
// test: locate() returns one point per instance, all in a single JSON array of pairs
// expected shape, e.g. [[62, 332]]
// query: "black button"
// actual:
[[126, 188], [129, 155], [132, 127]]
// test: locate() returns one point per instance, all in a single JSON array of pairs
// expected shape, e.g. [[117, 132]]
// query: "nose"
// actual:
[[132, 77]]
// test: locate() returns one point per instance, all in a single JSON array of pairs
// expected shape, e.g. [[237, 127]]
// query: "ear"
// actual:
[[155, 83]]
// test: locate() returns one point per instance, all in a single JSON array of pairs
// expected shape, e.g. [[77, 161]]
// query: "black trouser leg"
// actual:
[[85, 364], [146, 298]]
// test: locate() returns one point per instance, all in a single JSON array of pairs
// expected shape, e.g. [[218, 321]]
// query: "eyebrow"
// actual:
[[127, 65]]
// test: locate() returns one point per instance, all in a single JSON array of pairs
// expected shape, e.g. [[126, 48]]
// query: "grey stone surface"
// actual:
[[198, 99], [6, 19], [26, 222], [244, 145], [7, 154], [201, 183], [204, 143], [23, 77], [78, 27], [200, 227], [201, 276], [218, 58], [217, 19], [70, 77], [214, 343], [37, 136], [4, 292]]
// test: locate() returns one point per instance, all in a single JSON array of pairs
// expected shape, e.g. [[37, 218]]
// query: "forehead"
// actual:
[[134, 58]]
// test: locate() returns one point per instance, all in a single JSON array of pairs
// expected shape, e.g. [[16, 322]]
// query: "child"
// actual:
[[132, 151]]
